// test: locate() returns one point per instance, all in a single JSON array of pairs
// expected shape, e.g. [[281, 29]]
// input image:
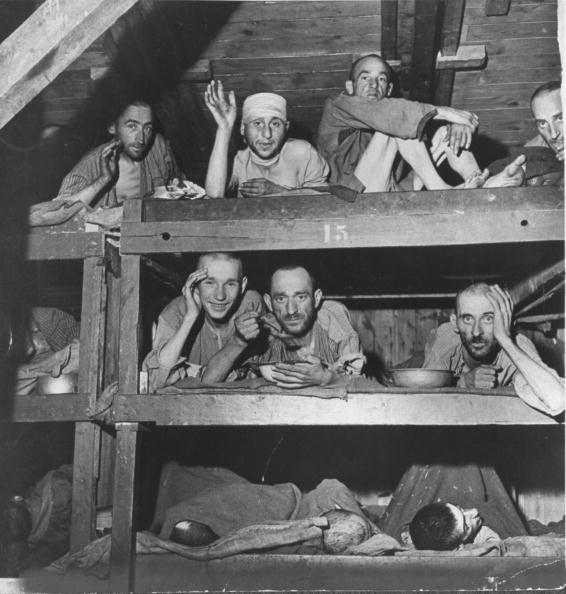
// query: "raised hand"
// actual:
[[192, 298], [247, 324], [259, 186], [503, 312], [224, 112], [109, 160]]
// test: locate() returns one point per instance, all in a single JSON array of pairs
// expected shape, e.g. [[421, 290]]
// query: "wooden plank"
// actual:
[[467, 56], [87, 435], [130, 324], [199, 71], [452, 15], [450, 217], [392, 407], [59, 29], [122, 557], [389, 29], [37, 408], [228, 67], [258, 30], [497, 7], [530, 76], [532, 12], [317, 44], [487, 32], [49, 244]]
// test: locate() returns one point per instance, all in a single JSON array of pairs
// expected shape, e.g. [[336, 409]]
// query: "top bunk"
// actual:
[[323, 220]]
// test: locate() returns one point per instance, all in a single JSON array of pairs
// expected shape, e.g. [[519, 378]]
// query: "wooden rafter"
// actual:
[[46, 43]]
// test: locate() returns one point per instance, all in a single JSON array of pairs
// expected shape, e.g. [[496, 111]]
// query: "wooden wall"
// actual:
[[522, 50]]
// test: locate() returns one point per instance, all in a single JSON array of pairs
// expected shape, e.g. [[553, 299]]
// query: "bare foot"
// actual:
[[476, 180], [513, 175]]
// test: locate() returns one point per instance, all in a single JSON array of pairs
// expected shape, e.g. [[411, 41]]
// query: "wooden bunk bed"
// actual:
[[308, 222], [55, 243]]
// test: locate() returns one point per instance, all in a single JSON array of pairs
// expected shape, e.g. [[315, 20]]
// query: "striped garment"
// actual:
[[157, 167]]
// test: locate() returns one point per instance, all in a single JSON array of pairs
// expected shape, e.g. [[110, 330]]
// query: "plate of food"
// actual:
[[179, 189]]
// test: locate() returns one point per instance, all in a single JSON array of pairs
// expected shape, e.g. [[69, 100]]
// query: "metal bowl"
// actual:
[[421, 378], [64, 384]]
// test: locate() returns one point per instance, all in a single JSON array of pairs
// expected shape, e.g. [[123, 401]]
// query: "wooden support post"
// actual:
[[123, 555], [424, 50], [87, 435], [389, 29], [122, 559], [452, 16]]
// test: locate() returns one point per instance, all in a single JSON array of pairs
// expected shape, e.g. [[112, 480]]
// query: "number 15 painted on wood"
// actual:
[[335, 233]]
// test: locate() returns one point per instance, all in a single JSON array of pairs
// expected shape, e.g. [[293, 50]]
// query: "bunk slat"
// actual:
[[391, 408]]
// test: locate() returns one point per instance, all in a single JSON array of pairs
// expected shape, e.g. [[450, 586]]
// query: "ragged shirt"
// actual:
[[444, 350], [156, 168], [333, 340], [203, 342], [349, 122], [297, 165]]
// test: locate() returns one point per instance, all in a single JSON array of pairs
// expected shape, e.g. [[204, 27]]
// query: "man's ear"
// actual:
[[267, 300], [317, 298], [112, 128], [287, 124], [349, 87], [389, 90], [453, 320], [244, 284]]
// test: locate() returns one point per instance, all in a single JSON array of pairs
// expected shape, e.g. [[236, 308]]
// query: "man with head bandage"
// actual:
[[271, 163]]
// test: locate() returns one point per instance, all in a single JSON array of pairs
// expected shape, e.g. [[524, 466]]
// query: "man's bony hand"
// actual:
[[109, 161], [192, 298], [484, 376], [459, 137], [259, 186], [503, 312], [309, 372], [224, 111], [458, 116], [247, 325]]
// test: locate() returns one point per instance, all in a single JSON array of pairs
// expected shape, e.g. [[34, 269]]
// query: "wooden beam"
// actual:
[[87, 435], [389, 29], [467, 56], [200, 71], [53, 243], [450, 217], [452, 17], [38, 408], [123, 552], [424, 50], [46, 43], [392, 406]]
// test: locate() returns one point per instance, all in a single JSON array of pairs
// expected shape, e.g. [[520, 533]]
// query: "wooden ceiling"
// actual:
[[303, 50]]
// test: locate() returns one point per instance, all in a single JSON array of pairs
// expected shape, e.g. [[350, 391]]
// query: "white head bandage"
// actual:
[[263, 105]]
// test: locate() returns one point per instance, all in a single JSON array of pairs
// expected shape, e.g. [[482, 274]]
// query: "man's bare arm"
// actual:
[[547, 387], [224, 113]]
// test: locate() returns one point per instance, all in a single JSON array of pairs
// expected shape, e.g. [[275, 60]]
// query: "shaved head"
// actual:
[[223, 257]]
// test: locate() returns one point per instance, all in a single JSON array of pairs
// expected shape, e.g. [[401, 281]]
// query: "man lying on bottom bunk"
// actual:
[[479, 345], [217, 513]]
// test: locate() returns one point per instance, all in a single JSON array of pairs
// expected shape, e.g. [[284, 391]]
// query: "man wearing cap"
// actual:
[[271, 163]]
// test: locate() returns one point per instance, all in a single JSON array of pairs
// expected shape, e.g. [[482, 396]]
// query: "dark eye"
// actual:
[[488, 318], [279, 300]]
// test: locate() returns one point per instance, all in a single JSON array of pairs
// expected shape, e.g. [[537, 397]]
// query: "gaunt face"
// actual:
[[294, 301], [266, 136], [474, 323], [547, 111], [468, 522], [370, 79], [134, 129]]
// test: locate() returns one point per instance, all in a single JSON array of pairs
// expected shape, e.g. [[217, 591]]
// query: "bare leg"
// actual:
[[375, 168], [464, 164], [416, 154]]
